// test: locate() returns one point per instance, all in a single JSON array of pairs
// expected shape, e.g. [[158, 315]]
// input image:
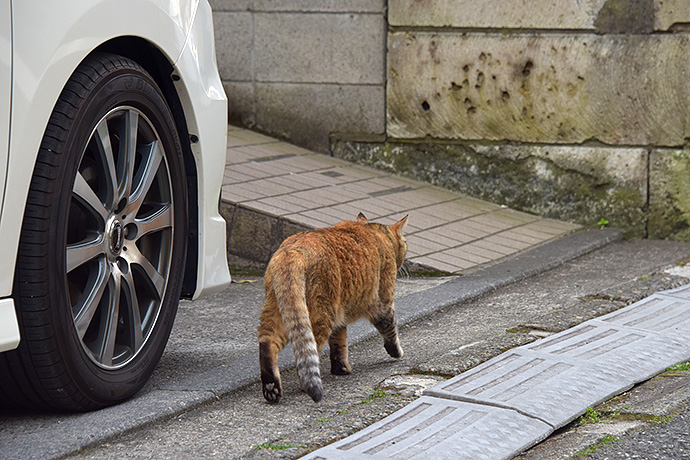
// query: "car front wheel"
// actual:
[[103, 243]]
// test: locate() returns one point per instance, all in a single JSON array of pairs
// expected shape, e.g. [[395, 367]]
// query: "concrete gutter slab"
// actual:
[[532, 390], [441, 429]]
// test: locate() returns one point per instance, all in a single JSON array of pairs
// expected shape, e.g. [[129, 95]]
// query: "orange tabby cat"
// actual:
[[317, 283]]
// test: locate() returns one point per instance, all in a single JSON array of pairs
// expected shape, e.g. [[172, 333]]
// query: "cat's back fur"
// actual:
[[319, 281]]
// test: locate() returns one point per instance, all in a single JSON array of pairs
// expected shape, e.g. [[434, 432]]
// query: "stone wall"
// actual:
[[573, 109], [303, 69]]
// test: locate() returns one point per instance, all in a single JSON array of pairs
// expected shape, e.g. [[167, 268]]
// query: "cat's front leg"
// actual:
[[337, 343], [387, 326]]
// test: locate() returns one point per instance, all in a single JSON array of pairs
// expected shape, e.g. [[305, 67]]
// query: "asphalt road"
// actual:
[[666, 441], [213, 348], [242, 425]]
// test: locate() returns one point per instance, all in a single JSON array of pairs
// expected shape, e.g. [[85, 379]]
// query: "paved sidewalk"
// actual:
[[447, 231]]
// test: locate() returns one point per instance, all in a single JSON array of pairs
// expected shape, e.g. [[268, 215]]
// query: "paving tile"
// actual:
[[231, 176], [491, 246], [438, 429], [479, 250], [246, 153], [251, 172], [349, 209], [444, 237], [320, 197], [306, 218], [465, 227], [237, 193], [423, 246], [521, 237], [294, 182], [260, 205], [284, 147], [451, 261], [462, 254], [299, 164], [246, 137], [377, 207], [412, 199], [451, 211], [339, 213], [288, 206]]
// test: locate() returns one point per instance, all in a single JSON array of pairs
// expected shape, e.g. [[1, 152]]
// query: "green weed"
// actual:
[[680, 367], [378, 393], [591, 449]]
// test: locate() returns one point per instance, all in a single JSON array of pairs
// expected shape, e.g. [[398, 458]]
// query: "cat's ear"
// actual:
[[362, 219], [401, 226]]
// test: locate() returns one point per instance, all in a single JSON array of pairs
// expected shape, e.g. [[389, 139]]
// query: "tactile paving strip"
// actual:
[[501, 407], [441, 429]]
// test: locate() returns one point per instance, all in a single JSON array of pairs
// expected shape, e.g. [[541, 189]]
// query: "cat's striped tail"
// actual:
[[289, 286]]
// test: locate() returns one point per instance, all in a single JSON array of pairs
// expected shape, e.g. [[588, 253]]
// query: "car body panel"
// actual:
[[207, 105], [49, 41]]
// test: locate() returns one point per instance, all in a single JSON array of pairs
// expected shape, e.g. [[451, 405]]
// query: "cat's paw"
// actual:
[[340, 368], [272, 392], [394, 350]]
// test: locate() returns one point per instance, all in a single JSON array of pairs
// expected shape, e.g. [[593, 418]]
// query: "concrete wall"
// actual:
[[578, 110], [303, 69]]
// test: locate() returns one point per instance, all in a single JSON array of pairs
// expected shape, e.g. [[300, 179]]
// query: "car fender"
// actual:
[[50, 39]]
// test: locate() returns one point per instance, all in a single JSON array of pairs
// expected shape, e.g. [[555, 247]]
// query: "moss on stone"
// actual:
[[512, 177]]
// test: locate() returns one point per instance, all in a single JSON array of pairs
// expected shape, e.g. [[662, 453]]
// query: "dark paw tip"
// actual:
[[272, 393]]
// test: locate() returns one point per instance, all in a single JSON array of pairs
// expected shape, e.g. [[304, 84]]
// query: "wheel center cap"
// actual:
[[116, 237]]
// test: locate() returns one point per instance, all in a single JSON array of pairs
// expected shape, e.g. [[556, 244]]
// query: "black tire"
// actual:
[[102, 246]]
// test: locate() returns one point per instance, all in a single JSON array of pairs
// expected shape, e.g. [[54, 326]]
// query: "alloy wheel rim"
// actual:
[[119, 237]]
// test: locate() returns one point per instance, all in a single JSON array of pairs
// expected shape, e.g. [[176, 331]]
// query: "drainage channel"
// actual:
[[517, 399]]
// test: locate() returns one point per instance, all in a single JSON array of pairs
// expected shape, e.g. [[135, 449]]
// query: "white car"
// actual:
[[113, 125]]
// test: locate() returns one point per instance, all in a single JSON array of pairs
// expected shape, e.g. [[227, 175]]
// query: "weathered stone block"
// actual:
[[241, 104], [605, 16], [233, 33], [626, 17], [542, 88], [669, 194], [308, 114], [333, 6], [320, 48], [670, 13], [582, 184], [522, 14], [230, 5]]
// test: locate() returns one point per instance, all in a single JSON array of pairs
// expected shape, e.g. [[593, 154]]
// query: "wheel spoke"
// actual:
[[129, 154], [153, 277], [149, 170], [157, 221], [91, 301], [130, 292], [107, 350], [106, 151], [80, 253], [85, 194]]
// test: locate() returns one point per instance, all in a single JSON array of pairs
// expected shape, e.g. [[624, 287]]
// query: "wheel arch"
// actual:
[[162, 71]]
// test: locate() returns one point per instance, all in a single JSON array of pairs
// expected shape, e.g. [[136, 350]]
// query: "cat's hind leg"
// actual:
[[337, 343], [272, 339], [270, 375], [387, 326]]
